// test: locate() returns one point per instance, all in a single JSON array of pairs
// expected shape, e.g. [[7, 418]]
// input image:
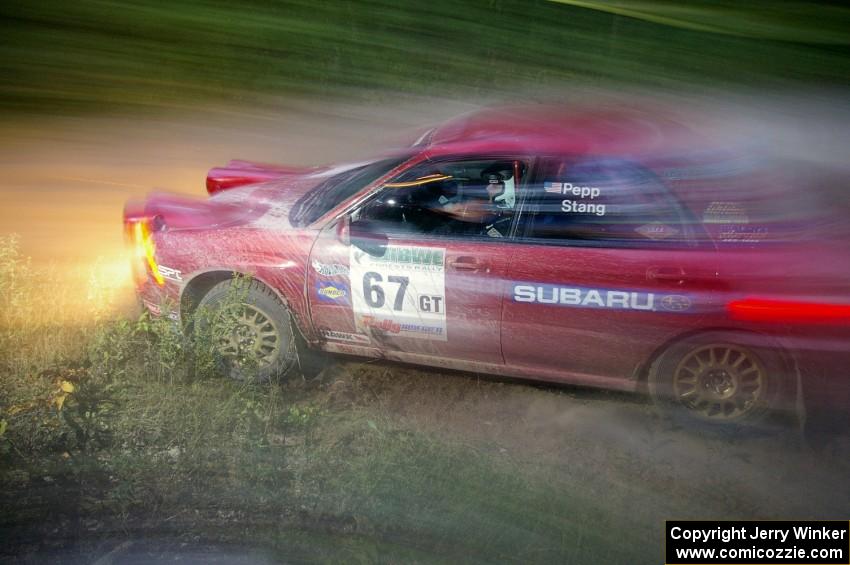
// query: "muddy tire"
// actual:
[[252, 330], [719, 379]]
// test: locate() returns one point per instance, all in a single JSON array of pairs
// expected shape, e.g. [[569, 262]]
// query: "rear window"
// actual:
[[756, 201]]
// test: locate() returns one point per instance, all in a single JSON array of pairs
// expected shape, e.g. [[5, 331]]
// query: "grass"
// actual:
[[96, 56], [461, 504], [116, 427]]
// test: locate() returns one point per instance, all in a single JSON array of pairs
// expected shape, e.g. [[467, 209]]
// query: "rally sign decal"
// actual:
[[402, 293]]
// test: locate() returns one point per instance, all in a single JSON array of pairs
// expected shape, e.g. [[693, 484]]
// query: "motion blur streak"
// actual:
[[105, 55], [763, 310]]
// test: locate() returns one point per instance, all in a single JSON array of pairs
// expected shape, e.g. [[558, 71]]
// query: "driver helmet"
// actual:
[[495, 185]]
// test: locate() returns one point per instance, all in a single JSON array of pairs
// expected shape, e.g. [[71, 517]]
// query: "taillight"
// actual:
[[144, 250]]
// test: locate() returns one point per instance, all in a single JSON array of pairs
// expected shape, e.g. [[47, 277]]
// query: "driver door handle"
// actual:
[[675, 274], [465, 263]]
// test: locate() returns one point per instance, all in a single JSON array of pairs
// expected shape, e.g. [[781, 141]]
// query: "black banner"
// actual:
[[757, 542]]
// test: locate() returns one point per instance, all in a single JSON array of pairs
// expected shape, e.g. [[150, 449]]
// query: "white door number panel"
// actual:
[[402, 294]]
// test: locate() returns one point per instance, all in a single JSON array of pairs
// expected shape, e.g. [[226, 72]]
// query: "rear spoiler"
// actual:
[[240, 173]]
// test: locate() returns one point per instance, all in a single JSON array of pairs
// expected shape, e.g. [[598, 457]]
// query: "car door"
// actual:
[[437, 288], [605, 270]]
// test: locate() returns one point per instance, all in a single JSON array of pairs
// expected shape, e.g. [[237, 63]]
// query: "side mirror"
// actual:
[[343, 230], [365, 236]]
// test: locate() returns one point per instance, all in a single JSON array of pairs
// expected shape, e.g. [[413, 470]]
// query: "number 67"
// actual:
[[373, 292]]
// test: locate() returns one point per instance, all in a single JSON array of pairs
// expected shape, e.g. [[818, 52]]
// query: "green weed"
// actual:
[[130, 424]]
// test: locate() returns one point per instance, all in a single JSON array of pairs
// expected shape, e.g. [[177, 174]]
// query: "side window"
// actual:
[[608, 201], [475, 198]]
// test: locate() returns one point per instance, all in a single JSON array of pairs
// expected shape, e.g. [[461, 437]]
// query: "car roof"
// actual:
[[547, 129]]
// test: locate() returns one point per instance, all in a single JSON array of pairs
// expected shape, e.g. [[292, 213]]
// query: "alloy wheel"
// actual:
[[720, 382], [251, 339]]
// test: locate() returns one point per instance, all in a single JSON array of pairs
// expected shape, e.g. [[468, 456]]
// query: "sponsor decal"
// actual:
[[156, 310], [675, 303], [580, 297], [342, 348], [169, 273], [393, 327], [346, 336], [332, 291], [330, 269], [725, 213], [742, 234], [385, 325], [586, 194], [402, 293], [152, 307], [406, 257], [419, 328], [657, 231]]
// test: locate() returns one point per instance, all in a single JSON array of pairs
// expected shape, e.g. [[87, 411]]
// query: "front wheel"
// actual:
[[718, 379], [251, 330]]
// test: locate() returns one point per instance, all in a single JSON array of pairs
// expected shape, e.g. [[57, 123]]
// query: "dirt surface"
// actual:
[[611, 448], [614, 442], [65, 179]]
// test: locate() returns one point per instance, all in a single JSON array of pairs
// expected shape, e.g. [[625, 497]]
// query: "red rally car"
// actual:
[[603, 248]]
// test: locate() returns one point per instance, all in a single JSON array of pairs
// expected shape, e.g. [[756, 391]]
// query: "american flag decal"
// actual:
[[553, 187]]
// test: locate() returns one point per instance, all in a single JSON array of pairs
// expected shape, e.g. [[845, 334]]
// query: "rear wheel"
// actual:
[[251, 330], [719, 379]]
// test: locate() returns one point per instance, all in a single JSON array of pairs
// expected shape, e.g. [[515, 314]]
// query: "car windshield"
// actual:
[[338, 188]]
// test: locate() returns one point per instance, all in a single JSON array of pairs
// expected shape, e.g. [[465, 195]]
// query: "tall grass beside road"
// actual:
[[117, 426], [89, 56]]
